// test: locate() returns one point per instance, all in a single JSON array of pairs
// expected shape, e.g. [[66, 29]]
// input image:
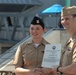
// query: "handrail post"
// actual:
[[6, 73]]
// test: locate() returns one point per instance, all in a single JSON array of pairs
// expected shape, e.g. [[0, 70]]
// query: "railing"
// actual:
[[7, 73], [2, 72]]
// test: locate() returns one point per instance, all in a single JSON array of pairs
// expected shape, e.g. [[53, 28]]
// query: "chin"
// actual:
[[64, 28], [35, 37]]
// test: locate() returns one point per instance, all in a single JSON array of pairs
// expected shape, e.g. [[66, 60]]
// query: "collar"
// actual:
[[43, 41], [73, 39]]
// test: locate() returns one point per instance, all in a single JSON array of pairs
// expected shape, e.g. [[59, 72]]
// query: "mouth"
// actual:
[[65, 26], [34, 34]]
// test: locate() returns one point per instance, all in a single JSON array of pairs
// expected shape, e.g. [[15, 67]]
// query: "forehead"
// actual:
[[68, 16], [36, 25]]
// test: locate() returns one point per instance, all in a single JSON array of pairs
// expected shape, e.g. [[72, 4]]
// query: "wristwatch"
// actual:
[[59, 71]]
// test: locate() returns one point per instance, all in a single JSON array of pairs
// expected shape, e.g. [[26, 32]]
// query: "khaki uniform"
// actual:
[[28, 56], [69, 52]]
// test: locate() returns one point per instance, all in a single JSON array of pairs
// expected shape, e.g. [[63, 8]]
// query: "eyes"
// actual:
[[37, 28], [65, 19]]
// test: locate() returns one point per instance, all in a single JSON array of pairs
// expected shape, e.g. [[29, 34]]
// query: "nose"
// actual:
[[34, 30]]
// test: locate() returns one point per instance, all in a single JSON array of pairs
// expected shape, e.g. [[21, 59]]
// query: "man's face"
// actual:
[[36, 31], [68, 22]]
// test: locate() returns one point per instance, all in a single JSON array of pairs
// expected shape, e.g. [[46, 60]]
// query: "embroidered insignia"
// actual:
[[74, 40], [69, 48], [37, 21]]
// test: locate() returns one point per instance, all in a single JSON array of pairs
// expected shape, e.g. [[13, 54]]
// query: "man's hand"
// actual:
[[54, 71], [37, 71], [46, 70]]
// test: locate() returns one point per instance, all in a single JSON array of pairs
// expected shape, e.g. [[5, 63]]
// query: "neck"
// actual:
[[71, 33], [38, 41]]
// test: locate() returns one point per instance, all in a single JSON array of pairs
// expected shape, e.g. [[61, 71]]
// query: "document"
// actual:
[[51, 56]]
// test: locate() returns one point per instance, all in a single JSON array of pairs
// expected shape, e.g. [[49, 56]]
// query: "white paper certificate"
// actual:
[[52, 55]]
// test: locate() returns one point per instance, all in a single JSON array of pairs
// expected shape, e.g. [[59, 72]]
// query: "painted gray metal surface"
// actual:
[[19, 2]]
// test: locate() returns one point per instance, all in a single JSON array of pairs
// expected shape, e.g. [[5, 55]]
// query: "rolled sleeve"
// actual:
[[18, 59]]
